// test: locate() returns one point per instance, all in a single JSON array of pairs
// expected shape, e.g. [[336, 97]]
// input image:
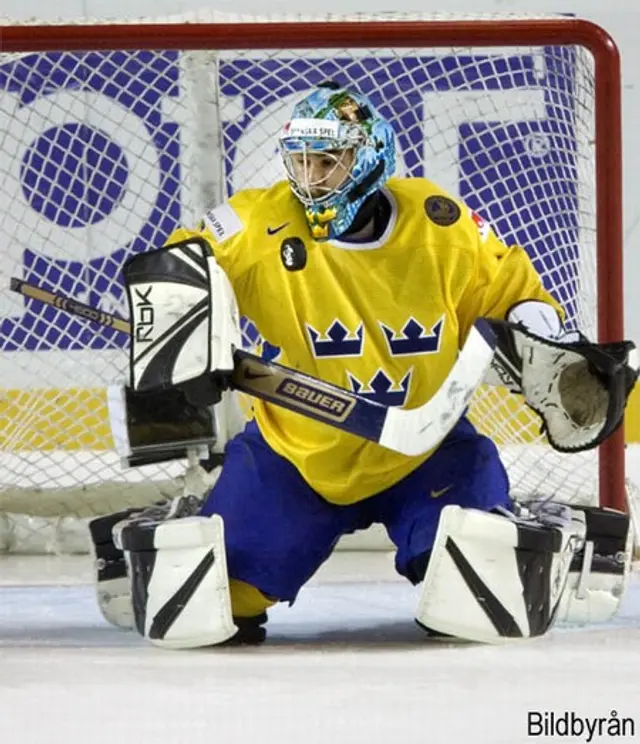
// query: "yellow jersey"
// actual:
[[385, 318]]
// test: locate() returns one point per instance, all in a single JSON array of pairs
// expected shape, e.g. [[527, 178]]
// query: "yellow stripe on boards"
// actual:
[[77, 419], [632, 417], [74, 419], [501, 415], [508, 413]]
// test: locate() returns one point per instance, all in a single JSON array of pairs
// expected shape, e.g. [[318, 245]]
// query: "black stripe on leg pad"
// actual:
[[534, 568], [501, 619], [171, 610]]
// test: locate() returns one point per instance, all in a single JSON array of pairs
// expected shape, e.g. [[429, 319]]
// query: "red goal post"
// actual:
[[579, 185]]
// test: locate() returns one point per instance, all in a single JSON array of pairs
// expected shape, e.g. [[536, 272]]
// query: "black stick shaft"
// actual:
[[268, 381], [69, 305]]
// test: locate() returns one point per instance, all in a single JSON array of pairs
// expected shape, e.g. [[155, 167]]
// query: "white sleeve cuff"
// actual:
[[542, 320]]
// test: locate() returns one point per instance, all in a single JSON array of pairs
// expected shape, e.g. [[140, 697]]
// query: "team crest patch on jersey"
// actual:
[[413, 338], [338, 341], [223, 222], [382, 388], [293, 254], [441, 210]]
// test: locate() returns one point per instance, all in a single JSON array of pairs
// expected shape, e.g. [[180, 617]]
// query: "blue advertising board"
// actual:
[[521, 175]]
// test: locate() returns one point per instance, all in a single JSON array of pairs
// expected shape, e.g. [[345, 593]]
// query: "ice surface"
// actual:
[[345, 664]]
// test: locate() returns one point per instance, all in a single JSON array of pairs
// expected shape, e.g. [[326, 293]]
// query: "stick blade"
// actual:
[[416, 431]]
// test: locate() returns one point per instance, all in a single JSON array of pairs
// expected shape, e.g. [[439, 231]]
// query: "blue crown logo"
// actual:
[[413, 338], [337, 342], [270, 352], [382, 388]]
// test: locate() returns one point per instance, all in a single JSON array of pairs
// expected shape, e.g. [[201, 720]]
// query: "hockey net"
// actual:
[[103, 153]]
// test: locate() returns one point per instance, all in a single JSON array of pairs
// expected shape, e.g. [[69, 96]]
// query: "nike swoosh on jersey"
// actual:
[[441, 492], [274, 230]]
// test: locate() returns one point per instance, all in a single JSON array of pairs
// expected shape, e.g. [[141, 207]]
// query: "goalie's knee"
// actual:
[[249, 606], [247, 601]]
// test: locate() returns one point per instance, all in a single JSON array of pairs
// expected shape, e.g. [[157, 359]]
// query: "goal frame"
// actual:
[[433, 33]]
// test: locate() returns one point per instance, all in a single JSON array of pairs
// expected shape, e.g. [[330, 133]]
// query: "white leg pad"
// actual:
[[114, 602], [180, 583], [491, 578], [598, 579]]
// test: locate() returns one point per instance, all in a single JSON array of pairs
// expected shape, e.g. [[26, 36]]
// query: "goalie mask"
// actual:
[[337, 151]]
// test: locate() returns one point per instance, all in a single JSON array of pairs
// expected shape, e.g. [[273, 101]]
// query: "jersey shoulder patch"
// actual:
[[442, 210], [223, 222]]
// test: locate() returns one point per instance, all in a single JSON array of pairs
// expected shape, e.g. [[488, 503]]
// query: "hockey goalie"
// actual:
[[372, 283]]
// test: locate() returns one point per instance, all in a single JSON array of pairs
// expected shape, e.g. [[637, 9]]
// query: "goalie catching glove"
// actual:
[[579, 389], [185, 324]]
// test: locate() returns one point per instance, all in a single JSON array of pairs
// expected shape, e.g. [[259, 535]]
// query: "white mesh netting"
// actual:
[[105, 153]]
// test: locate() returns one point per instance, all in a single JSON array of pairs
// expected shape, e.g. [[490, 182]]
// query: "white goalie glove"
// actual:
[[579, 389], [185, 324]]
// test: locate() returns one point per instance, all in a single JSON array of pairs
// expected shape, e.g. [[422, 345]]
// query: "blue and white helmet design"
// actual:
[[346, 128]]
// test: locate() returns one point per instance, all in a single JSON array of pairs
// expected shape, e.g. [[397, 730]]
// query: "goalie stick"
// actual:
[[412, 431]]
